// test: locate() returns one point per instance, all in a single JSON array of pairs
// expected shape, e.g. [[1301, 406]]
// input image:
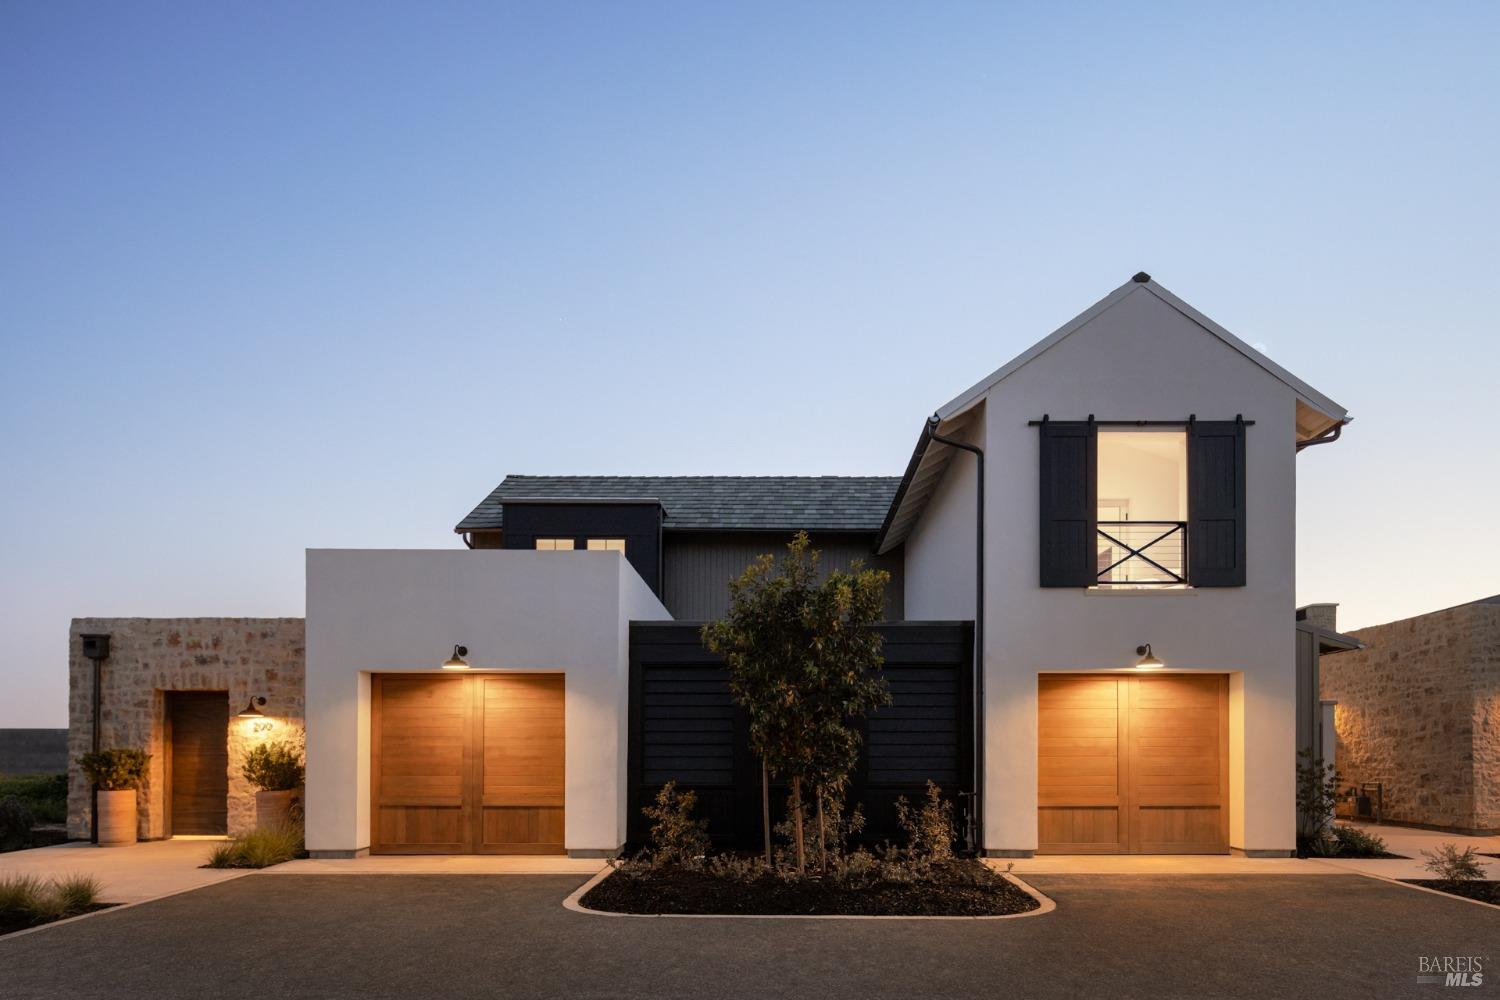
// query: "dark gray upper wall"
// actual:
[[33, 751], [697, 567]]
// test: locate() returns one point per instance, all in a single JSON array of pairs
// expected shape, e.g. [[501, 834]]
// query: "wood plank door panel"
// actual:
[[522, 791], [1178, 763], [1080, 768], [421, 755], [1134, 764], [198, 771], [467, 765]]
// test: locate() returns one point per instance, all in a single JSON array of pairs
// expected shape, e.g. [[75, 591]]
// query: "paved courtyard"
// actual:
[[336, 936]]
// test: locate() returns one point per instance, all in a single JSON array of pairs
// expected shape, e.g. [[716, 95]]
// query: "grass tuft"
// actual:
[[27, 900], [260, 848]]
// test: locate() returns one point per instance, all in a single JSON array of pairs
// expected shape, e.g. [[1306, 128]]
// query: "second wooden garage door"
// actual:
[[1133, 764], [467, 765]]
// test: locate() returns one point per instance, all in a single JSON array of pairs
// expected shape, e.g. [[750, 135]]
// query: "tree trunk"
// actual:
[[765, 809], [822, 838], [797, 837]]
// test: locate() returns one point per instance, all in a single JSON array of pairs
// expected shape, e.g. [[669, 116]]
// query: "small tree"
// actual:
[[1319, 792], [803, 662], [274, 767]]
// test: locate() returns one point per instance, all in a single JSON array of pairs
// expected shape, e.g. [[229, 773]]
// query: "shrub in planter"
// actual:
[[276, 770], [117, 772]]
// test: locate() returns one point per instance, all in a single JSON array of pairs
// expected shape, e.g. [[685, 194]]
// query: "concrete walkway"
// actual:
[[1411, 842], [129, 874], [426, 864]]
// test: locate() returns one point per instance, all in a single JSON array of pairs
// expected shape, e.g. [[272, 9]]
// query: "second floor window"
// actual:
[[607, 545], [1142, 506], [554, 544], [1126, 505]]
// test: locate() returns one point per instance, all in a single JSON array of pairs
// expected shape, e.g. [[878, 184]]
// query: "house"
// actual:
[[1107, 521], [1418, 718]]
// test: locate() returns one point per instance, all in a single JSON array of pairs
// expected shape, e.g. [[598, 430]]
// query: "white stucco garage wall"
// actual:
[[373, 611], [1141, 359]]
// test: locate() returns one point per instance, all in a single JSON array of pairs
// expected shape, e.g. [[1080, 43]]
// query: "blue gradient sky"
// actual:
[[293, 275]]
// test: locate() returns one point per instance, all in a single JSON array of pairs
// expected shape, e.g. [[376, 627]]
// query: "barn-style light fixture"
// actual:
[[250, 711], [1148, 660], [457, 661]]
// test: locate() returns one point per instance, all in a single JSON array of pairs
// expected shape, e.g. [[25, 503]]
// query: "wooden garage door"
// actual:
[[467, 765], [1133, 764]]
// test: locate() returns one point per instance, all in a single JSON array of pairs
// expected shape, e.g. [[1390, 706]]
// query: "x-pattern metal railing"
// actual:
[[1167, 538]]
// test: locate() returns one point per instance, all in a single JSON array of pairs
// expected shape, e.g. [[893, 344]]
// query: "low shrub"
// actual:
[[1356, 843], [262, 848], [676, 837], [117, 769], [274, 767], [929, 830], [27, 899], [1452, 865], [45, 794], [16, 821]]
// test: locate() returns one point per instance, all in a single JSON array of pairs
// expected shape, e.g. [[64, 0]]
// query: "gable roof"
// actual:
[[1312, 397], [710, 503], [1316, 413]]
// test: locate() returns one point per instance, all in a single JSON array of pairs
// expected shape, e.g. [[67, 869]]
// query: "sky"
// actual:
[[277, 276]]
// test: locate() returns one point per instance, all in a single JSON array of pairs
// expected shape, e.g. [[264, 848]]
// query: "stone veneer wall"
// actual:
[[149, 656], [1420, 711]]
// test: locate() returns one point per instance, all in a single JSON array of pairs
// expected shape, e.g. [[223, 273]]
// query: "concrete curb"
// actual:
[[1045, 905], [1422, 888]]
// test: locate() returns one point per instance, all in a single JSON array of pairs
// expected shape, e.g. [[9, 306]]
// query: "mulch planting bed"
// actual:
[[1485, 892], [10, 923], [958, 889]]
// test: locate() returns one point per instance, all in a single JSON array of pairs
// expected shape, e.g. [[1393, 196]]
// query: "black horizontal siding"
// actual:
[[685, 727]]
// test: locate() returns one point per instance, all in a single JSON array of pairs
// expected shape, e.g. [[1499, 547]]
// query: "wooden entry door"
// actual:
[[1133, 764], [467, 765], [197, 768]]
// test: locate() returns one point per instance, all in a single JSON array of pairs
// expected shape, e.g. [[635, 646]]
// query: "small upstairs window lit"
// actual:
[[607, 545], [1142, 509], [554, 544]]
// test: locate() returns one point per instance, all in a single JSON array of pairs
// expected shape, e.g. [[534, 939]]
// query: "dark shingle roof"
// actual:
[[714, 503]]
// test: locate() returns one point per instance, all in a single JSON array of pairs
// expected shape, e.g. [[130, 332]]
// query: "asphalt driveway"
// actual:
[[336, 936]]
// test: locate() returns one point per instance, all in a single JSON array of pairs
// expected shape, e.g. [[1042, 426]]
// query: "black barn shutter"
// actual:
[[1070, 504], [1216, 503]]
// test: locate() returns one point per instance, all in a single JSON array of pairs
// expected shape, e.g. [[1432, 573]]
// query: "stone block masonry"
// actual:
[[1419, 711], [245, 657]]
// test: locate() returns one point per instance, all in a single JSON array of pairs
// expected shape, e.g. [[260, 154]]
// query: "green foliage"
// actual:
[[1356, 843], [116, 769], [275, 766], [929, 829], [46, 795], [262, 848], [676, 838], [804, 662], [16, 822], [1319, 792], [25, 898], [1452, 865]]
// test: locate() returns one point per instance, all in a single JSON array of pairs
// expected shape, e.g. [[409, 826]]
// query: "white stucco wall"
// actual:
[[372, 611], [940, 550], [1140, 360]]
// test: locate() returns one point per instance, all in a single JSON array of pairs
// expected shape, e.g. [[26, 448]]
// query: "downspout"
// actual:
[[1327, 437], [976, 799], [96, 648]]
